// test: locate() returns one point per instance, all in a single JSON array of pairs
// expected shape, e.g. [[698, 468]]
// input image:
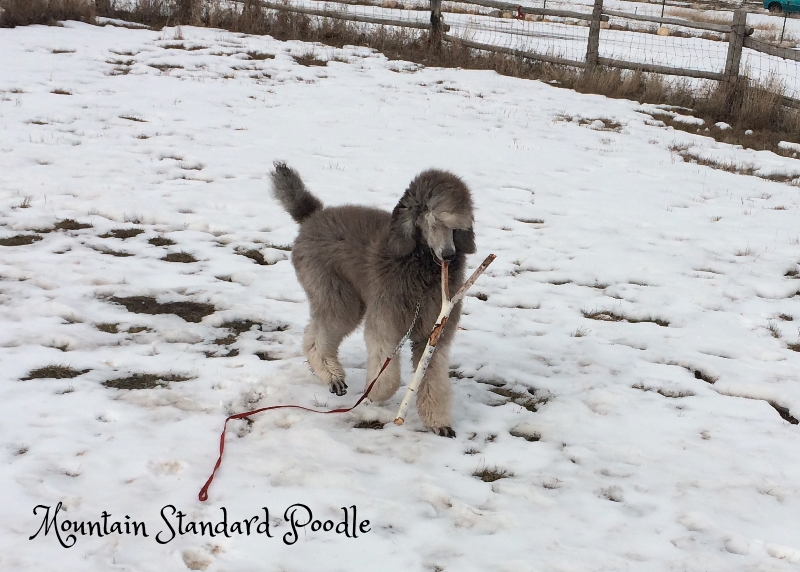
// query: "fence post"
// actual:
[[735, 42], [436, 24], [593, 47]]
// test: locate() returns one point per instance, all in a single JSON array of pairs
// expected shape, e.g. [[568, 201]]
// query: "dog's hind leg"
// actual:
[[435, 393], [336, 310]]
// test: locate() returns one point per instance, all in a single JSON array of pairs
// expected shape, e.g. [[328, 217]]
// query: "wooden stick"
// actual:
[[436, 333]]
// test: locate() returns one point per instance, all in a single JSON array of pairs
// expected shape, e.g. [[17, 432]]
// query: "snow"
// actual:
[[624, 458]]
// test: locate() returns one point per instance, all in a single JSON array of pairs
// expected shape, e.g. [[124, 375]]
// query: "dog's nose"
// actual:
[[448, 255]]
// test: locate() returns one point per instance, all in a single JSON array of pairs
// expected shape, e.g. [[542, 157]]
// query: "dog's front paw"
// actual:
[[444, 431], [339, 387]]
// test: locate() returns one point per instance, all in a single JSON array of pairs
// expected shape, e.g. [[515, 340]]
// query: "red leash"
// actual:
[[203, 496]]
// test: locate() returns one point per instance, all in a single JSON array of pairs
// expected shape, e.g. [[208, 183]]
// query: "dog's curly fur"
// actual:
[[357, 263]]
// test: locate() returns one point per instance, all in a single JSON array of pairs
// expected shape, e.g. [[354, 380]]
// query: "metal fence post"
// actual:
[[593, 46], [436, 24], [735, 42]]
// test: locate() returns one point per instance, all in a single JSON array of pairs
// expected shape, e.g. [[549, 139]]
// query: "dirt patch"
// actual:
[[144, 381], [188, 311], [61, 92], [369, 425], [161, 241], [122, 233], [181, 256], [70, 224], [20, 240], [108, 328], [265, 356], [612, 316], [54, 372]]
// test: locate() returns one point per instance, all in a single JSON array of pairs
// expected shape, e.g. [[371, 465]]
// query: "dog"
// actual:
[[358, 263]]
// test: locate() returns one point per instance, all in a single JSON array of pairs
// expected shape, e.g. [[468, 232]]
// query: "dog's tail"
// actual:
[[289, 189]]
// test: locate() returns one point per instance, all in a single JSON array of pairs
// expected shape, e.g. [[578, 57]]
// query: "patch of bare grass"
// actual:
[[54, 371], [144, 381], [738, 168], [613, 316], [188, 311], [70, 224], [112, 252], [309, 59], [369, 425], [253, 255], [20, 240], [108, 328], [488, 475], [260, 55], [161, 241], [122, 233], [182, 256], [529, 400], [580, 332], [165, 67], [240, 326], [60, 91]]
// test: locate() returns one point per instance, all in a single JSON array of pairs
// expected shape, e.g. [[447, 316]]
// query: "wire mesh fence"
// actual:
[[780, 74]]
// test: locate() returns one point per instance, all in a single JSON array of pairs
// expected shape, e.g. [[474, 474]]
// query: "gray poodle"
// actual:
[[357, 263]]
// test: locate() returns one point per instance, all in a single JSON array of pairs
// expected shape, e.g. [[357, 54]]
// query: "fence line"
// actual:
[[615, 48]]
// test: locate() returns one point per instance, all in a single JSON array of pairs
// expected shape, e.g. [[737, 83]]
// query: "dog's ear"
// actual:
[[402, 232], [464, 241]]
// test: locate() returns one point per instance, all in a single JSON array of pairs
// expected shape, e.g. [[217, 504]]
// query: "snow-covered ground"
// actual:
[[618, 451]]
